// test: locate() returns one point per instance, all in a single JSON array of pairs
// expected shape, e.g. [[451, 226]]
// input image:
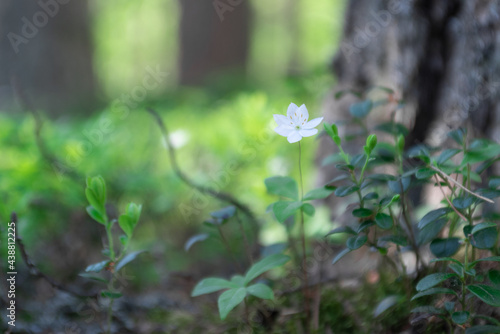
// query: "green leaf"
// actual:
[[370, 196], [460, 317], [430, 231], [96, 200], [361, 109], [308, 209], [425, 173], [392, 128], [490, 258], [447, 155], [384, 221], [494, 182], [385, 304], [458, 135], [362, 213], [229, 300], [318, 193], [486, 293], [482, 226], [445, 247], [371, 142], [96, 215], [97, 267], [194, 239], [395, 239], [399, 186], [432, 280], [134, 212], [211, 284], [126, 224], [494, 276], [224, 213], [457, 268], [284, 209], [434, 291], [93, 277], [427, 309], [127, 259], [111, 294], [341, 229], [463, 202], [364, 225], [483, 329], [341, 255], [238, 280], [432, 216], [282, 186], [485, 238], [264, 265], [356, 242], [261, 291], [344, 191]]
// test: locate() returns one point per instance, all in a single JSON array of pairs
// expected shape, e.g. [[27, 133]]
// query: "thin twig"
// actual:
[[449, 178], [206, 190], [448, 200], [51, 159], [33, 269]]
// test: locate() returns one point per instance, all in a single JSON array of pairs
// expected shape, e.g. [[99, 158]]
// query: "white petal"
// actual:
[[281, 119], [313, 123], [304, 114], [308, 132], [284, 130], [293, 114], [294, 137]]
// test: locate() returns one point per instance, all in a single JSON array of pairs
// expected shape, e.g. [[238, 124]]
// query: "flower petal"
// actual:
[[292, 113], [312, 123], [281, 119], [304, 114], [308, 132], [284, 130], [294, 137], [292, 108]]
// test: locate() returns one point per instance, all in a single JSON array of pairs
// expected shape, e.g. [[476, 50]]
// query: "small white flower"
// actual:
[[294, 125]]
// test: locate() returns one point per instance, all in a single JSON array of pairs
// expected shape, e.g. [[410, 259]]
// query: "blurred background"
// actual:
[[76, 77]]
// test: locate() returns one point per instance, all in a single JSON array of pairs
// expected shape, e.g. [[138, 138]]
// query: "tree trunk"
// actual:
[[47, 49], [214, 39], [441, 56]]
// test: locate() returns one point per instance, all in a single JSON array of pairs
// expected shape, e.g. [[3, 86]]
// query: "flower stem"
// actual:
[[305, 290]]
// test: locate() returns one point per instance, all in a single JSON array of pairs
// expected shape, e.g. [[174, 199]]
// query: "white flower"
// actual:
[[294, 125]]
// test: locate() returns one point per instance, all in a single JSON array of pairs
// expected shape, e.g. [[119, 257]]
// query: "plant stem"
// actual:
[[245, 240], [303, 237], [226, 244], [110, 241], [110, 314]]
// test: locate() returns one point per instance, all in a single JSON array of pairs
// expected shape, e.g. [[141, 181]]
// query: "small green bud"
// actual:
[[335, 129], [400, 144], [371, 142], [337, 140]]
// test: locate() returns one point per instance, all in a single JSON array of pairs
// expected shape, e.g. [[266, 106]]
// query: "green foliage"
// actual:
[[238, 288]]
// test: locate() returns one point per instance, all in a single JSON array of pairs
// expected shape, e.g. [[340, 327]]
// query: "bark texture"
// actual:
[[441, 56]]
